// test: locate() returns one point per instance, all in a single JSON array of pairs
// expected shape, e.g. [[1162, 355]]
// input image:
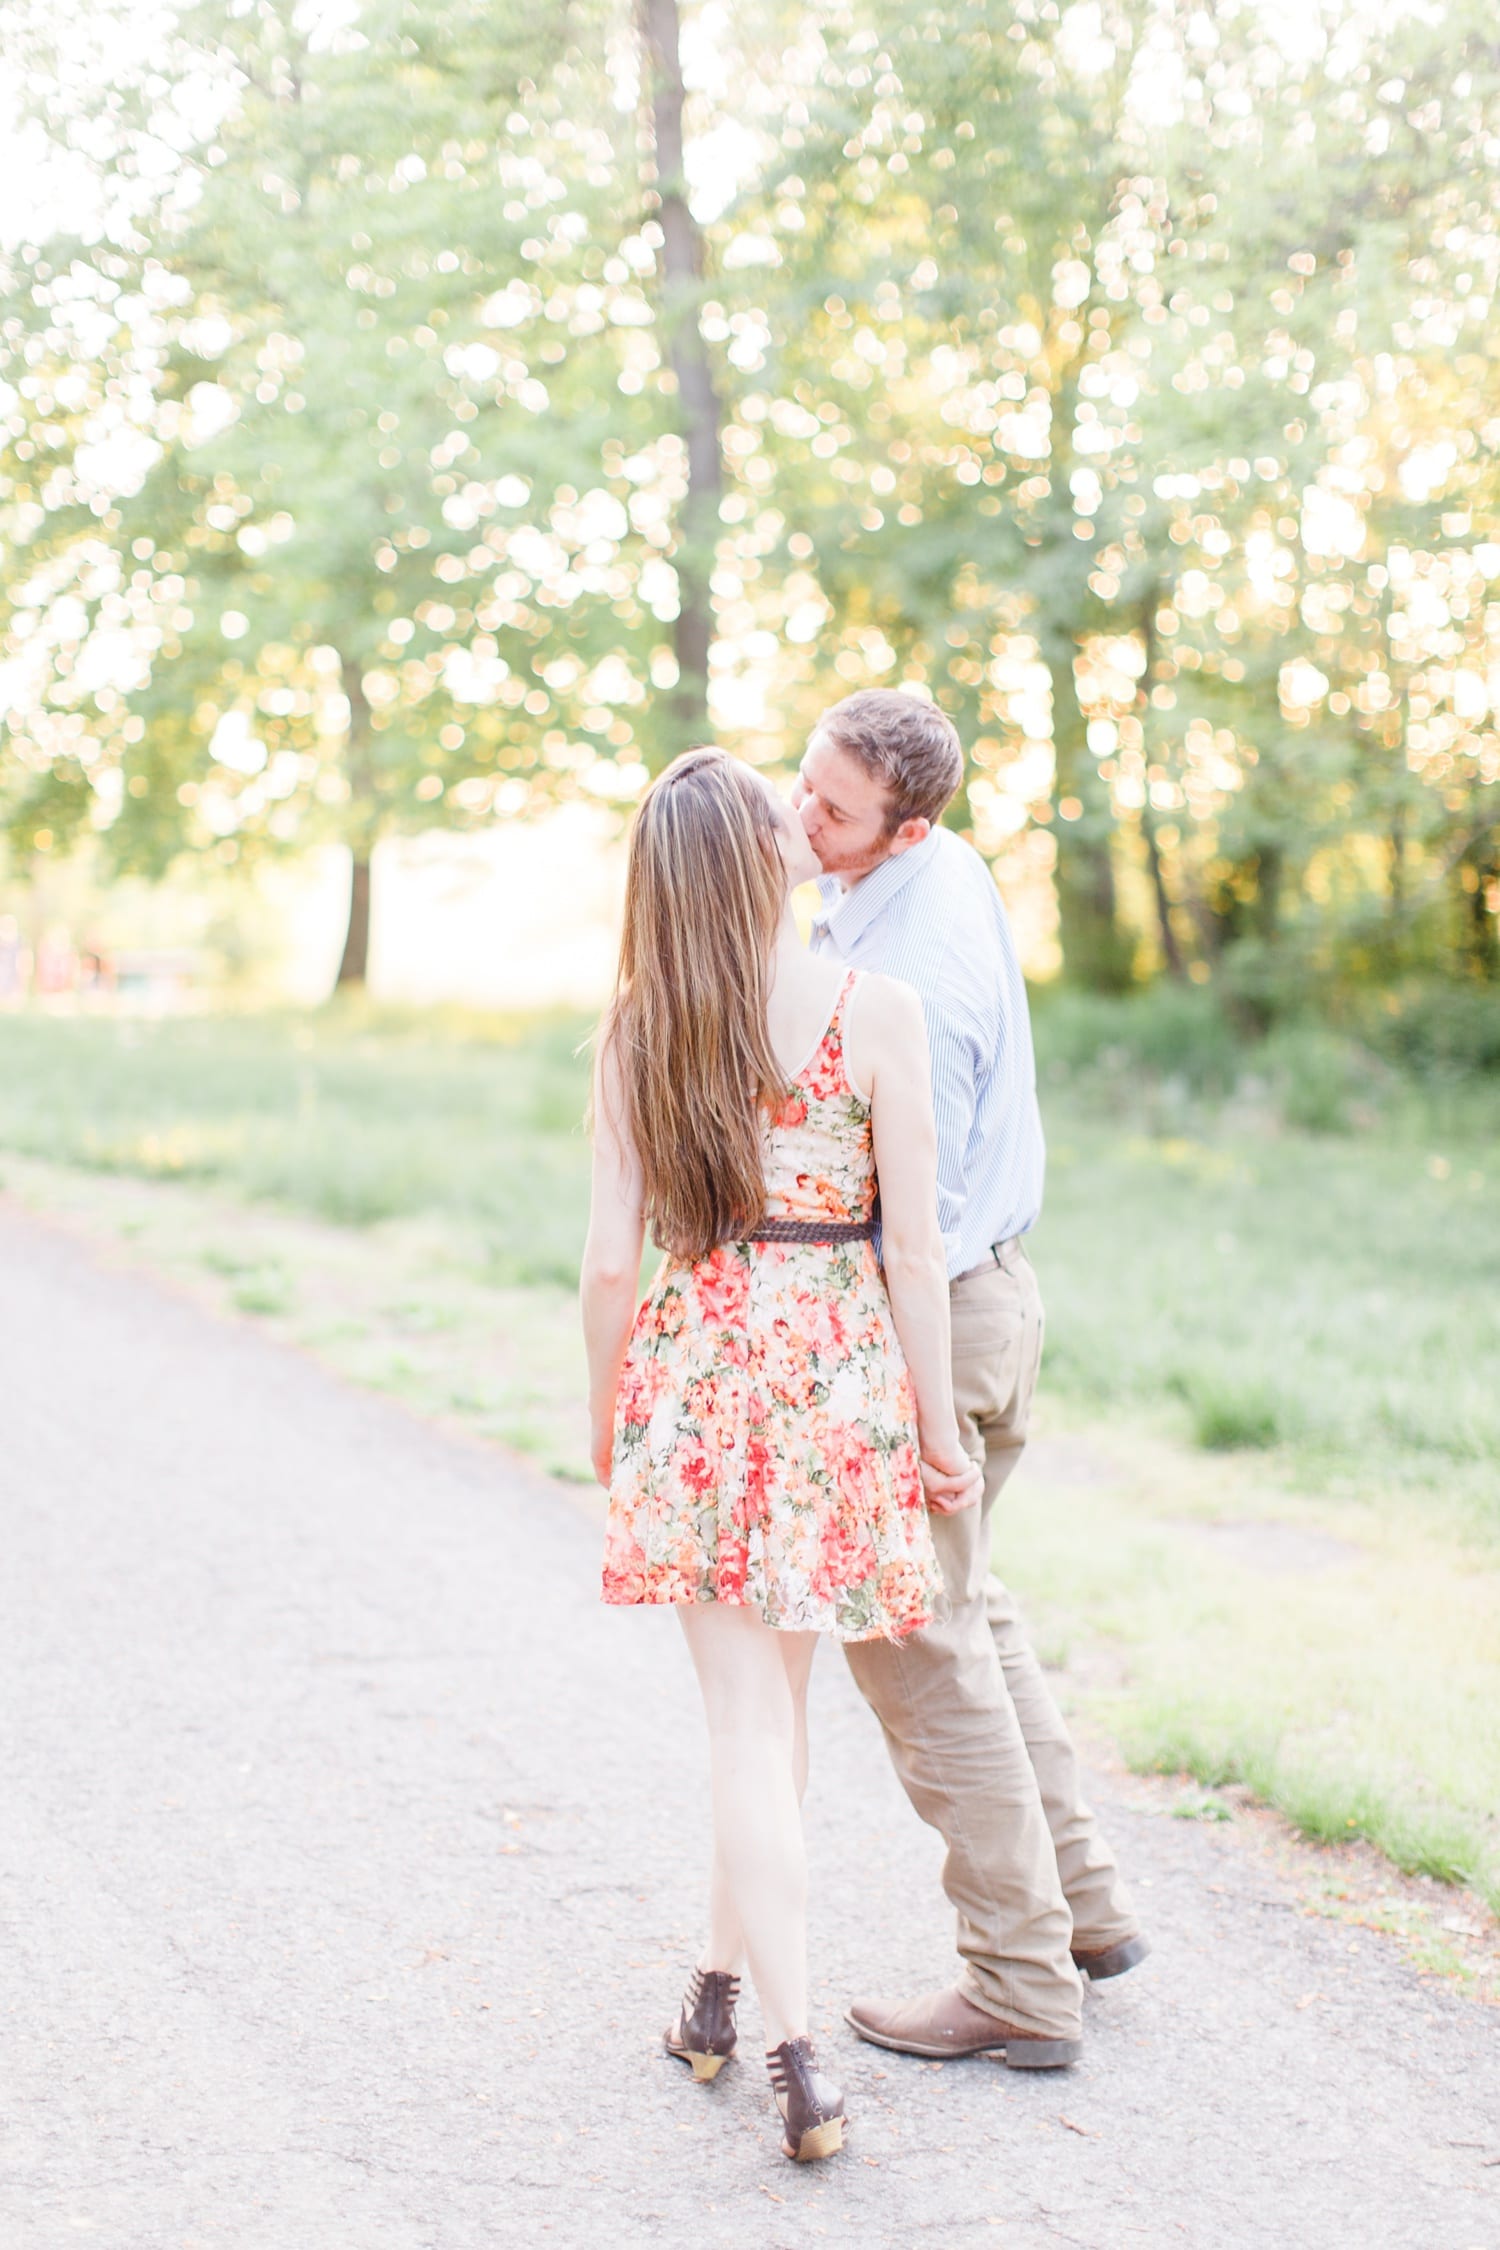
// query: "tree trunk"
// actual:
[[1480, 943], [1270, 872], [363, 824], [1096, 952], [687, 355], [1171, 950], [1396, 847], [356, 956]]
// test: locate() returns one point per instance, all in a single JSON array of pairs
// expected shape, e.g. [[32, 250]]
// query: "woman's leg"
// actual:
[[797, 1653], [725, 1946], [753, 1691]]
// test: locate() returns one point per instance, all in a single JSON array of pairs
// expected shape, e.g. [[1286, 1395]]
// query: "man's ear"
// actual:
[[909, 833]]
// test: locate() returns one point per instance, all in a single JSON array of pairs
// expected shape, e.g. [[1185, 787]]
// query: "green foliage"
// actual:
[[1437, 1028], [1172, 1031], [1121, 378], [1323, 1083], [351, 398]]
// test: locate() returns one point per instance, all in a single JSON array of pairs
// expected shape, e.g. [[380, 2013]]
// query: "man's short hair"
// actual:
[[908, 744]]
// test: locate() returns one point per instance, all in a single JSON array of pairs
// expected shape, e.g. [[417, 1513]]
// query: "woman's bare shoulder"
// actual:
[[888, 1003], [886, 1031]]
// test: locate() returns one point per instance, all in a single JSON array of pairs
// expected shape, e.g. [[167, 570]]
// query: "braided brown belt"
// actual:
[[811, 1230]]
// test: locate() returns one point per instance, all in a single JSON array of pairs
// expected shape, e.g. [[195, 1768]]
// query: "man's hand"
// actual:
[[951, 1481]]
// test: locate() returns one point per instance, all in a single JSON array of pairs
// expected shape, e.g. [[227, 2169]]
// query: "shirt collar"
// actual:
[[846, 915]]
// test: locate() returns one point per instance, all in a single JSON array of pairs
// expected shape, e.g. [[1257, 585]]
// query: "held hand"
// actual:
[[951, 1481]]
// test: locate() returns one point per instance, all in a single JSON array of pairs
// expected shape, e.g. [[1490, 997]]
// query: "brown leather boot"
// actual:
[[811, 2106], [946, 2025], [704, 2033], [1111, 1960]]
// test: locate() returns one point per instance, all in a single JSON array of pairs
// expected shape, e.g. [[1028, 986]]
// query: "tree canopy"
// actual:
[[444, 407]]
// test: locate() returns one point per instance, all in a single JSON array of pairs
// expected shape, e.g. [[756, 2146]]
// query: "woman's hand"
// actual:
[[602, 1448], [950, 1480]]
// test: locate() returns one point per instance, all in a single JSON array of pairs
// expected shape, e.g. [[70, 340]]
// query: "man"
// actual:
[[975, 1736]]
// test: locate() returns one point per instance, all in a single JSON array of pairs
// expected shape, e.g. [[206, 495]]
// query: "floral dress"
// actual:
[[765, 1446]]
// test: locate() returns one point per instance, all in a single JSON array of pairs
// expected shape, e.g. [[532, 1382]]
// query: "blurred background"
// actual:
[[419, 419]]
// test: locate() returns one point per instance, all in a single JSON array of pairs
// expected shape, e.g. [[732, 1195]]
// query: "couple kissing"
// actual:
[[804, 1426]]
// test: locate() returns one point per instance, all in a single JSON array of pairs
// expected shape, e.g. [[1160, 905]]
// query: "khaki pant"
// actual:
[[973, 1732]]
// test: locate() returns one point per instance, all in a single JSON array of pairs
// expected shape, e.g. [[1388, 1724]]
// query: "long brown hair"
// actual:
[[704, 892]]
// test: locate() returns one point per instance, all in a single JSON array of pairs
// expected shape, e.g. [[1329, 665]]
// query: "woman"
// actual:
[[767, 1421]]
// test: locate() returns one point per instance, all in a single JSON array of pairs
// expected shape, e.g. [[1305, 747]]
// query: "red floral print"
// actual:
[[765, 1426]]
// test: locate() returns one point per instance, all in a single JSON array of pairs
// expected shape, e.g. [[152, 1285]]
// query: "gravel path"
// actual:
[[351, 1860]]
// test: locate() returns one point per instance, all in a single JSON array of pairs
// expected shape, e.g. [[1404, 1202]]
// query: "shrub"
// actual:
[[1321, 1079], [1447, 1029], [1166, 1031]]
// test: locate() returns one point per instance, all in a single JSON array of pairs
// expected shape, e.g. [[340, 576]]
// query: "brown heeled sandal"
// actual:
[[704, 2033], [811, 2106]]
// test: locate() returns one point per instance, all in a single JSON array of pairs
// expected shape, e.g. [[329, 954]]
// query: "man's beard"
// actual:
[[853, 865]]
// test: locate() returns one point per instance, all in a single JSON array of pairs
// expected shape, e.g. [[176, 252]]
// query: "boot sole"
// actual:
[[818, 2141], [704, 2067], [1113, 1963], [1017, 2054]]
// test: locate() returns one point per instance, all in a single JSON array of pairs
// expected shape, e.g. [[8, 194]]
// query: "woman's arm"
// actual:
[[610, 1279], [892, 1045]]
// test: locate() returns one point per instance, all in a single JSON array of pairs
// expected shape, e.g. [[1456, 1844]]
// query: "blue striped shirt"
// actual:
[[934, 918]]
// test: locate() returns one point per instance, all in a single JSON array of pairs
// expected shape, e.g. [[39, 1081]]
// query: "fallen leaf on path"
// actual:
[[1081, 2130]]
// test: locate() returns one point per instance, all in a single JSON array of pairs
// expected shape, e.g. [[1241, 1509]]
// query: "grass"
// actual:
[[1272, 1314], [408, 1306], [350, 1115], [1341, 1660], [1334, 1299], [266, 1293], [1328, 1296], [1229, 1416]]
